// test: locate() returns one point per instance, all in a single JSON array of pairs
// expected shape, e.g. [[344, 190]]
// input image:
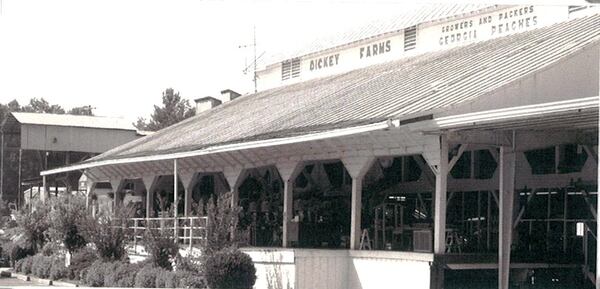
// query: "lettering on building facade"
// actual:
[[490, 25], [375, 49], [324, 62]]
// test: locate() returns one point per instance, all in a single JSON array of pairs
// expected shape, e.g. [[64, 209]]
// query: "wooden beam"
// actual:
[[461, 150], [522, 210]]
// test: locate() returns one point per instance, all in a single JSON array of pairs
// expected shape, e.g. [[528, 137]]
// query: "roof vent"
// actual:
[[410, 38], [229, 95], [206, 103]]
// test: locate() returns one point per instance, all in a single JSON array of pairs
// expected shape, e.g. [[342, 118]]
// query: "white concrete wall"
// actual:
[[339, 269], [381, 269]]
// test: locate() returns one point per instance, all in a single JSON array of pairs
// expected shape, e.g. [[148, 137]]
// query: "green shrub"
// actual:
[[58, 270], [17, 253], [81, 260], [222, 218], [105, 231], [26, 264], [229, 269], [34, 226], [64, 220], [96, 274], [41, 266], [146, 277], [187, 279], [19, 265], [51, 248], [161, 246], [163, 276], [122, 276]]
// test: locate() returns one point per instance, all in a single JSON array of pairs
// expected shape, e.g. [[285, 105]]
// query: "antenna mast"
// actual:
[[254, 63]]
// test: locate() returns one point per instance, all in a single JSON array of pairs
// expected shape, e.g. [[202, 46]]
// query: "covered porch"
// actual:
[[387, 174]]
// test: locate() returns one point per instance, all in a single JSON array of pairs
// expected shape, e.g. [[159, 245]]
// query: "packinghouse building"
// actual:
[[452, 144]]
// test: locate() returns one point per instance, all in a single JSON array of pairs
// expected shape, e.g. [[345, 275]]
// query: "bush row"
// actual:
[[143, 275], [52, 267]]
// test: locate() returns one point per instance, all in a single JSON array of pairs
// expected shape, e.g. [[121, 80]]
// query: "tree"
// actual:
[[173, 110], [81, 110], [42, 105]]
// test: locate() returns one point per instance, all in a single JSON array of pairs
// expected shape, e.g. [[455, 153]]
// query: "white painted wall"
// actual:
[[433, 36], [340, 269]]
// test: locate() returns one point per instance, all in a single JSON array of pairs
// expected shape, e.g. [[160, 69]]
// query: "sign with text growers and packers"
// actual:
[[490, 25]]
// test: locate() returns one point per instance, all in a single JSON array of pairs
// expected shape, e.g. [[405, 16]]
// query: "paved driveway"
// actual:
[[14, 282]]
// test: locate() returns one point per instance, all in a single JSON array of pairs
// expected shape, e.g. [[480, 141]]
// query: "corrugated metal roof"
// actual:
[[413, 15], [401, 88], [73, 120]]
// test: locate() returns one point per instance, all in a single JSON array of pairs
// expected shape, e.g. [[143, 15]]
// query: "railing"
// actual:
[[186, 230]]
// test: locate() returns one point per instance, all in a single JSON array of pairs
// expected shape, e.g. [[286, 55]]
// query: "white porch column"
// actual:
[[288, 172], [175, 200], [90, 185], [233, 175], [597, 229], [116, 187], [441, 180], [188, 180], [149, 183], [357, 168], [44, 192], [506, 205]]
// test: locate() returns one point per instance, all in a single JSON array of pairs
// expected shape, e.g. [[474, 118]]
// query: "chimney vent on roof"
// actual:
[[229, 95], [206, 103]]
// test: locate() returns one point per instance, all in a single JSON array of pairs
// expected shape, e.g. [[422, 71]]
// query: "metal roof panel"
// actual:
[[402, 88]]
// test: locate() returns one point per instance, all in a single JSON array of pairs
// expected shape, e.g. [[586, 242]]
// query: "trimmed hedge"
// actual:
[[98, 272], [81, 260], [230, 269], [146, 277], [41, 266], [122, 276]]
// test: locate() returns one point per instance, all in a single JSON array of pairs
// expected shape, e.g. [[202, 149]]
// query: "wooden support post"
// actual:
[[175, 199], [44, 193], [191, 234], [441, 180], [507, 191], [234, 177], [19, 205], [188, 180], [90, 185], [597, 224], [288, 172], [357, 168], [116, 187], [149, 183]]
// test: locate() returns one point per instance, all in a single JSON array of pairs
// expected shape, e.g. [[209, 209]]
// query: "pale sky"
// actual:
[[119, 55]]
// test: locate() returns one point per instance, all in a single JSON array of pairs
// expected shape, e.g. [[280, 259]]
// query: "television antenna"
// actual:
[[256, 58]]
